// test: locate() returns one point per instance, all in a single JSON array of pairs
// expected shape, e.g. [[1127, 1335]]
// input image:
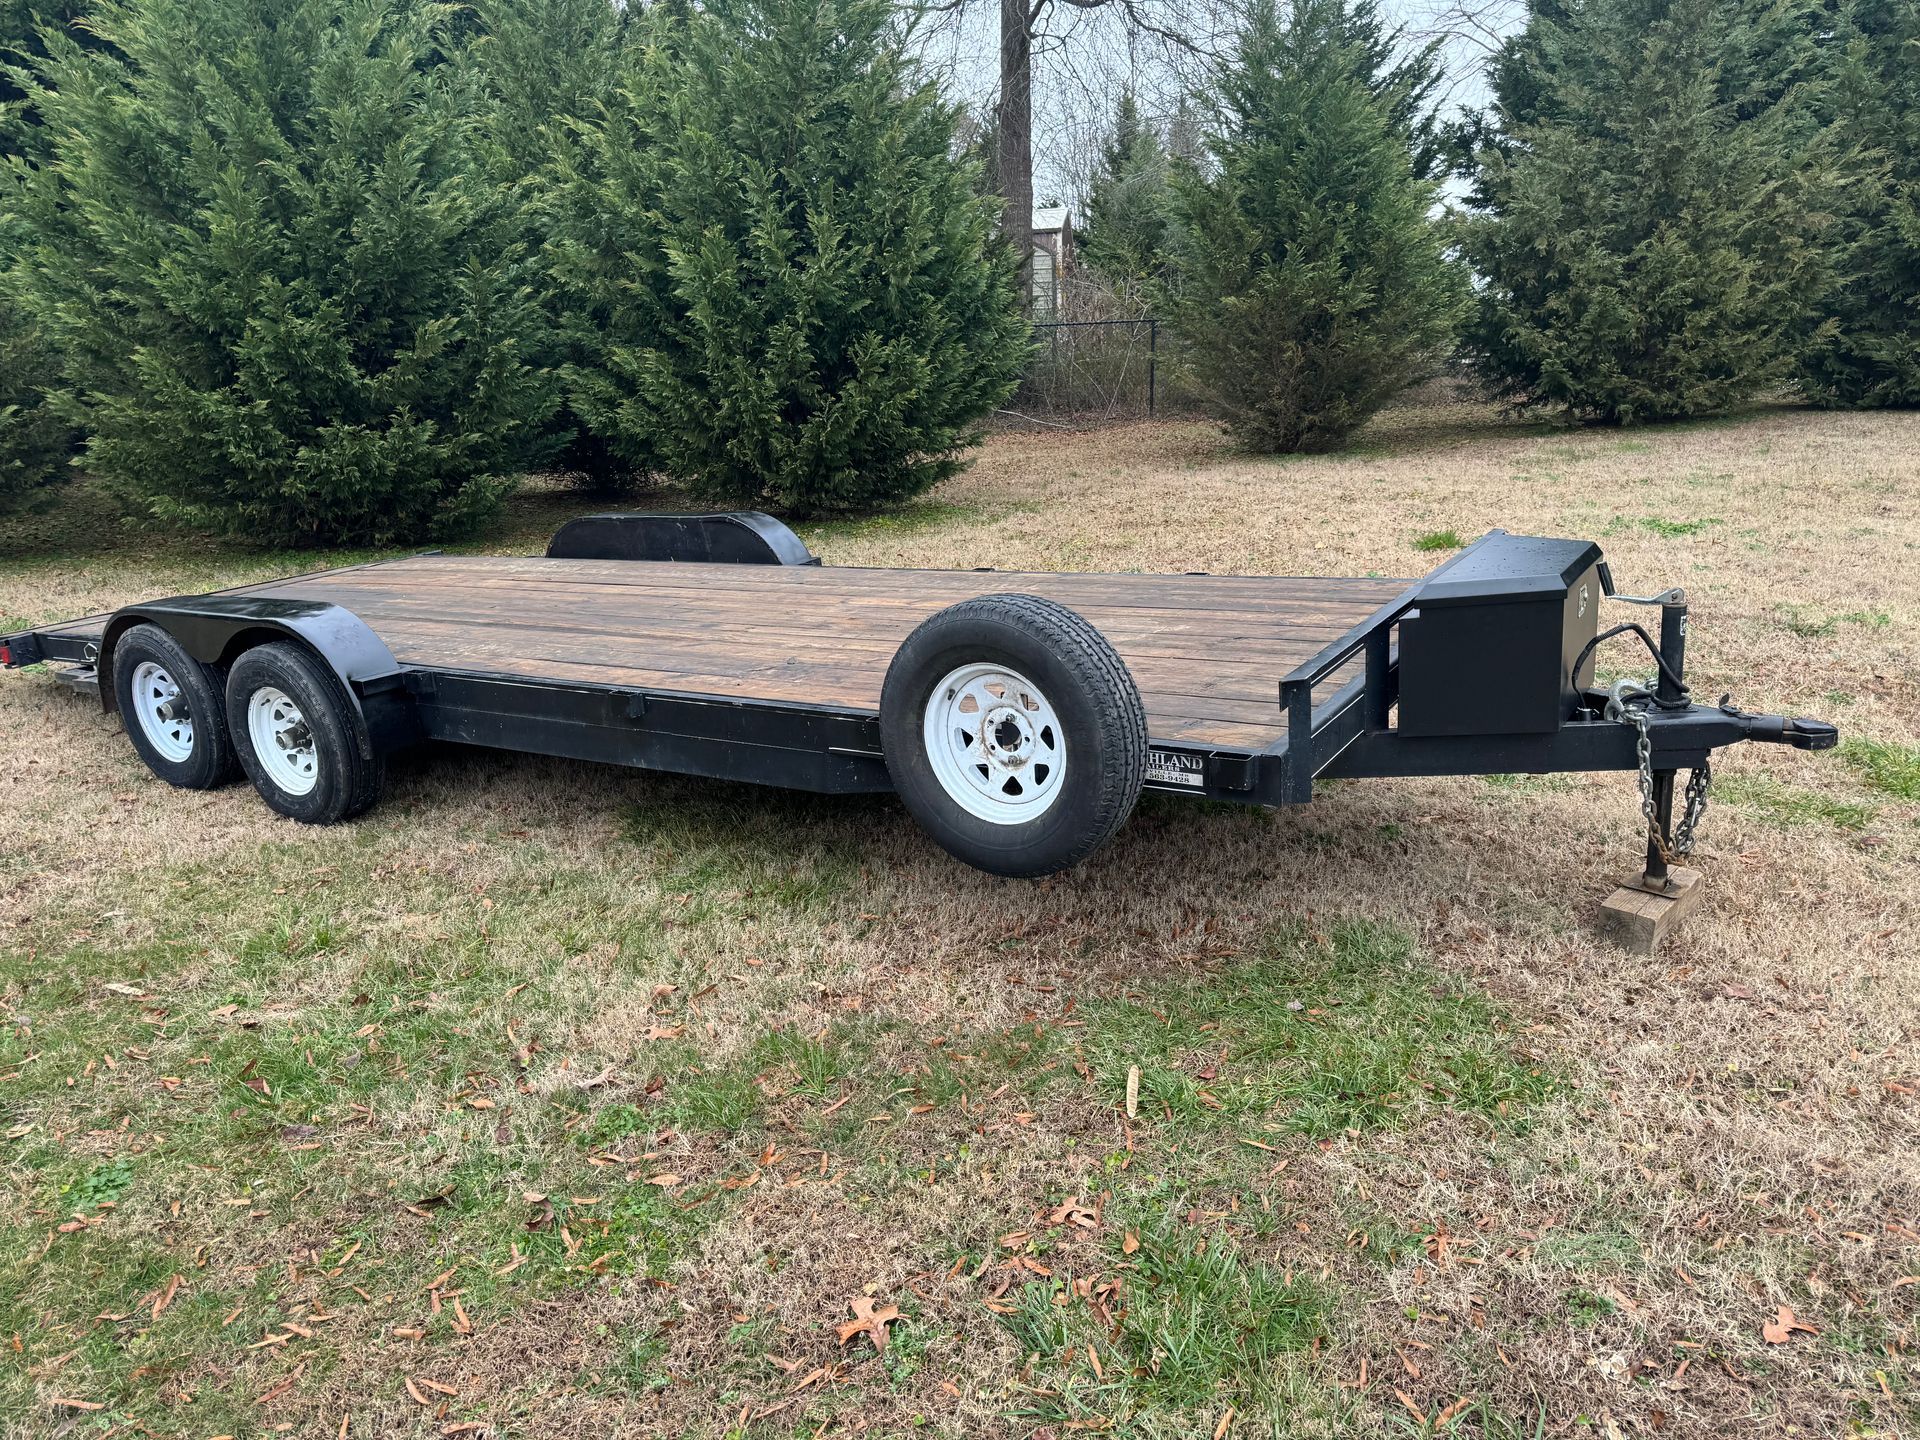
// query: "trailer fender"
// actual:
[[739, 537], [214, 629]]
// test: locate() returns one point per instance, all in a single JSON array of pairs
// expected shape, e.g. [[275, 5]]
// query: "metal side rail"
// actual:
[[1680, 739], [1352, 734], [1318, 735]]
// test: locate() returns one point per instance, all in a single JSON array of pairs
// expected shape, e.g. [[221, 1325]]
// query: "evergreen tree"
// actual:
[[291, 305], [1866, 349], [1129, 201], [550, 67], [1310, 284], [976, 140], [783, 280], [1403, 79], [549, 64], [1649, 217], [20, 24], [34, 442]]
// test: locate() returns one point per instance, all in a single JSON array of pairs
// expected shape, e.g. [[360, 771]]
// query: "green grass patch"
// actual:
[[911, 519], [1198, 1324], [1810, 625], [1439, 540], [1588, 1251], [747, 850], [1891, 769], [1586, 1309], [1321, 1034], [1659, 525], [1782, 804]]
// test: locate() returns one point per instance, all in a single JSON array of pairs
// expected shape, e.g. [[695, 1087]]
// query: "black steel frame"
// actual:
[[1347, 735]]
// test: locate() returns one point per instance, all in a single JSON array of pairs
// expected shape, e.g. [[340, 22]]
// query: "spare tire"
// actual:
[[1014, 734]]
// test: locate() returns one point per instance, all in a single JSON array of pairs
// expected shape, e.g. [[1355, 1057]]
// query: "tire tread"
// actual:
[[1092, 661]]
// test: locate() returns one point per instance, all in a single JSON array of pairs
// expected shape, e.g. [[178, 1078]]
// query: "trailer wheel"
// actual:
[[173, 710], [298, 736], [1014, 734]]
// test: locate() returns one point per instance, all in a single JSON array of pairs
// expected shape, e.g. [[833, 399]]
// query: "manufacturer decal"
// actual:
[[1176, 767]]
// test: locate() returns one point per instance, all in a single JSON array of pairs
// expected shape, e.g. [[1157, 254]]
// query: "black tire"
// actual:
[[344, 779], [1089, 690], [209, 761]]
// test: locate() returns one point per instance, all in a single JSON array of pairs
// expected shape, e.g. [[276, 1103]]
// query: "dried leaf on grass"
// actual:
[[1074, 1214], [868, 1319], [1779, 1330]]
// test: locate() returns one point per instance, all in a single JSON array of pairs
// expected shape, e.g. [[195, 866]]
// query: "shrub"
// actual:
[[34, 442], [1128, 200], [291, 305], [1648, 208], [1309, 283], [549, 65], [21, 22], [1866, 345], [782, 282]]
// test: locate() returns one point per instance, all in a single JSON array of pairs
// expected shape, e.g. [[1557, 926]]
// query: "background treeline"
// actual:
[[1666, 207], [324, 270], [339, 270]]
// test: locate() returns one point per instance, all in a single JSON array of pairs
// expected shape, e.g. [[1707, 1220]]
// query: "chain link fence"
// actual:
[[1091, 371], [1097, 359]]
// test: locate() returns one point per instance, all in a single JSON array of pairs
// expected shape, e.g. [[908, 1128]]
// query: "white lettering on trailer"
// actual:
[[1176, 767]]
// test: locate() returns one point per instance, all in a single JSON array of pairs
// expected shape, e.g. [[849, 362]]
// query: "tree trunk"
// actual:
[[1015, 126]]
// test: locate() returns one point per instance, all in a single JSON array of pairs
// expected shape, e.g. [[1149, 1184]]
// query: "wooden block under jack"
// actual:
[[1639, 919]]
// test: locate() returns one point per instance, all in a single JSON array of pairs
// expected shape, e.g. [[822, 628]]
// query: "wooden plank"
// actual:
[[1273, 652], [817, 676], [1159, 591], [1207, 651], [630, 572], [538, 593]]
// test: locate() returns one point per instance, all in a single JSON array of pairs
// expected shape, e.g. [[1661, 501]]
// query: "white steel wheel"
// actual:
[[161, 711], [282, 740], [995, 744]]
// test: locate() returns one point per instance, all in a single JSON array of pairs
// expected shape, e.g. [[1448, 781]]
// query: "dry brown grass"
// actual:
[[1736, 1128]]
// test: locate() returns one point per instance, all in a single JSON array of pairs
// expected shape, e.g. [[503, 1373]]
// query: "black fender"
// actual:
[[740, 537], [214, 629]]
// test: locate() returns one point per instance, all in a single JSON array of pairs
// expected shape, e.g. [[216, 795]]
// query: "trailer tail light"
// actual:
[[6, 655]]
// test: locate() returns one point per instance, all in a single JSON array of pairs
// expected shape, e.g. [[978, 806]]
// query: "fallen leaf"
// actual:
[[1779, 1330], [165, 1297], [1072, 1212], [868, 1319]]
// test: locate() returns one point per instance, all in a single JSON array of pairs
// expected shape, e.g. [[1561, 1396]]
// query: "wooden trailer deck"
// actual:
[[1207, 651]]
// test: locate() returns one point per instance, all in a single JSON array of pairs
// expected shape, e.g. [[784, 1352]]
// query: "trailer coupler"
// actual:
[[1680, 735], [1798, 731]]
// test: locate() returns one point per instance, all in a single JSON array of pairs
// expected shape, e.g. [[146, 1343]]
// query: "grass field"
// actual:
[[559, 1101]]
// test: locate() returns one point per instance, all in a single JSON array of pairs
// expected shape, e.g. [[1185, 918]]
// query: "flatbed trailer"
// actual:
[[1019, 715]]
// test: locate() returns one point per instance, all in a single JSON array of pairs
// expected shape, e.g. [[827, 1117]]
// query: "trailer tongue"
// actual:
[[1018, 715]]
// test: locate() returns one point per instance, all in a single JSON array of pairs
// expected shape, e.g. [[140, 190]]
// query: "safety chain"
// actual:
[[1628, 705]]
